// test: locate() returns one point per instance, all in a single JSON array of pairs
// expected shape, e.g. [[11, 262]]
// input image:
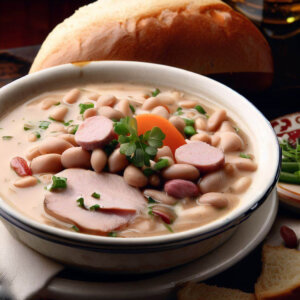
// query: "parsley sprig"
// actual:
[[138, 149]]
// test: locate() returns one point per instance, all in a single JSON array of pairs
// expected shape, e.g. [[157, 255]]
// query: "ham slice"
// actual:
[[201, 155], [95, 132], [119, 203]]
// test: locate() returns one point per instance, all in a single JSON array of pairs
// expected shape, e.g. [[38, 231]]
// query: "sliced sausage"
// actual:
[[204, 157], [95, 132], [118, 206], [181, 188]]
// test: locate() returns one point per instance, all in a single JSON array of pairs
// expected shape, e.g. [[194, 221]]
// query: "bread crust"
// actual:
[[204, 36]]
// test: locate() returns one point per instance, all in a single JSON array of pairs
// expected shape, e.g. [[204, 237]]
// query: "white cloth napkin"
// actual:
[[22, 270]]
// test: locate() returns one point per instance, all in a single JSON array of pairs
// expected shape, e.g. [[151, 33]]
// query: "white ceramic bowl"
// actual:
[[148, 253]]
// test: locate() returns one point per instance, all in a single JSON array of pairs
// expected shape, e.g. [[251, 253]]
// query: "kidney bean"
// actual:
[[20, 166], [289, 237], [180, 188]]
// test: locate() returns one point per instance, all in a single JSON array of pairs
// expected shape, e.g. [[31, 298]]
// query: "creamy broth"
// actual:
[[21, 131]]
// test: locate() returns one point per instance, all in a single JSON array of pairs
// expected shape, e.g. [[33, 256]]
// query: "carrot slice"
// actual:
[[173, 139]]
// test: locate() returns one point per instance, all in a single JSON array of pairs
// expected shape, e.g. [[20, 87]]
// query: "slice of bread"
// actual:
[[280, 277], [201, 291]]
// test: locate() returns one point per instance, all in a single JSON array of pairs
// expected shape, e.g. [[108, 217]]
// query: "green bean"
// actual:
[[290, 167], [289, 178]]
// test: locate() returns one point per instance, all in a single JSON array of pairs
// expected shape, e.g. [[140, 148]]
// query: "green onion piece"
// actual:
[[112, 234], [84, 106], [75, 228], [290, 167], [168, 227], [56, 104], [28, 126], [58, 183], [44, 124], [237, 130], [289, 178], [7, 137], [243, 155], [148, 172], [150, 211], [200, 109], [132, 108], [52, 119], [94, 207], [68, 123], [80, 202], [37, 134], [96, 195], [162, 163], [189, 130], [110, 147], [189, 122], [73, 129], [179, 111], [155, 92], [151, 200]]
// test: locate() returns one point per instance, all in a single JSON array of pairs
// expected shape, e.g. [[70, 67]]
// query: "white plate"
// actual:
[[160, 286]]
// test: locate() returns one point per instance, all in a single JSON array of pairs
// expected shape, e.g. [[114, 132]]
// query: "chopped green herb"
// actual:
[[80, 202], [7, 137], [200, 109], [150, 211], [132, 108], [155, 92], [56, 104], [138, 149], [58, 183], [37, 134], [28, 126], [168, 227], [189, 130], [148, 172], [110, 147], [243, 155], [151, 200], [96, 195], [68, 123], [237, 130], [75, 228], [189, 122], [52, 119], [162, 163], [84, 106], [44, 124], [112, 234], [73, 129], [179, 111], [95, 207]]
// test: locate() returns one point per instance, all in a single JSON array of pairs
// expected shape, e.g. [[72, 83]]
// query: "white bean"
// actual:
[[201, 124], [93, 97], [98, 160], [150, 103], [135, 177], [48, 163], [76, 157], [69, 138], [54, 145], [230, 141], [202, 137], [217, 200], [161, 111], [72, 96], [56, 127], [26, 182], [212, 182], [164, 151], [181, 171], [226, 126], [245, 164], [117, 161], [216, 119], [188, 103], [106, 100], [124, 108], [154, 180], [47, 103], [241, 185], [32, 153], [178, 123], [110, 113], [32, 137], [59, 113], [91, 112]]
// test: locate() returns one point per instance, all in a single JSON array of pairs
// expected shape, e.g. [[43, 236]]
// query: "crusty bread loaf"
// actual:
[[280, 277], [204, 36], [193, 291]]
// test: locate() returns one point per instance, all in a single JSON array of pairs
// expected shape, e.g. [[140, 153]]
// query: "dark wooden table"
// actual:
[[283, 97]]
